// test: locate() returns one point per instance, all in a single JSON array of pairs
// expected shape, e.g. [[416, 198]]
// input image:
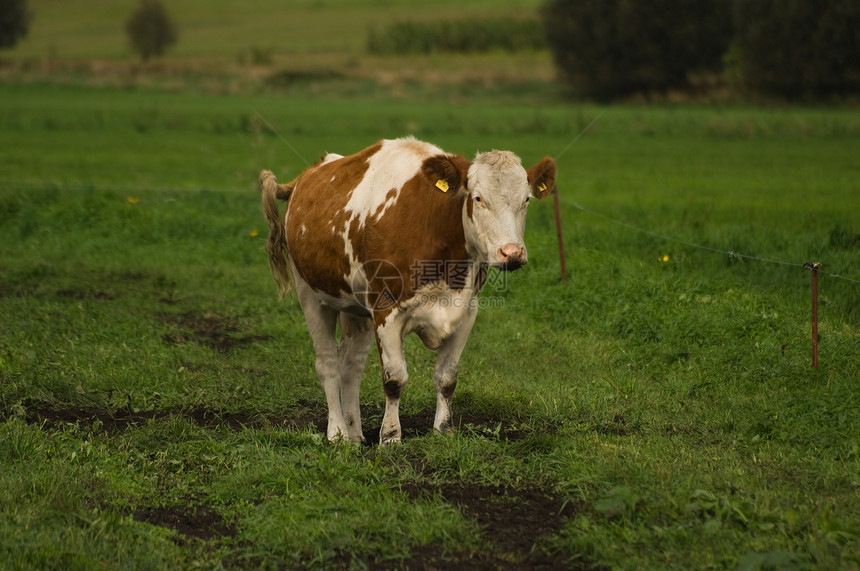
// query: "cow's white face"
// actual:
[[494, 220], [494, 216], [498, 191]]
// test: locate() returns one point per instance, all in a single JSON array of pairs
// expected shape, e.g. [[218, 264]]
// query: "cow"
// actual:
[[392, 240]]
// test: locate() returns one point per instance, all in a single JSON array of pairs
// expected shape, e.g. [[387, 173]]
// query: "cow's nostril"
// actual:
[[511, 251]]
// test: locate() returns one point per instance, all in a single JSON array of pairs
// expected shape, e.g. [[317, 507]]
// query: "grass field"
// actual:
[[313, 46], [94, 29], [160, 409]]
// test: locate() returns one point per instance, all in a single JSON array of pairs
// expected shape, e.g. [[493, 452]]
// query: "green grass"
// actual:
[[668, 409]]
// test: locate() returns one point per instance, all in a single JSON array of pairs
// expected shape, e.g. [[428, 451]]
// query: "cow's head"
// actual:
[[497, 192]]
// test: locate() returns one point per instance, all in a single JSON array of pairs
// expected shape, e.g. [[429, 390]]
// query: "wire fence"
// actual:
[[730, 253]]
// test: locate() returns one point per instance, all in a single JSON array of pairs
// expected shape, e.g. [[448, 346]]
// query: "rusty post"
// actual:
[[814, 267], [558, 232]]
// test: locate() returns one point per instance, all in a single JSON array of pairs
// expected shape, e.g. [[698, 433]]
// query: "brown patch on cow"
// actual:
[[542, 177], [423, 225], [453, 169], [318, 203], [379, 209], [470, 208]]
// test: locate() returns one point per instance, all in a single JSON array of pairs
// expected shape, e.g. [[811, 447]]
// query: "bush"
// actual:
[[150, 29], [457, 36], [800, 48], [612, 48], [14, 22]]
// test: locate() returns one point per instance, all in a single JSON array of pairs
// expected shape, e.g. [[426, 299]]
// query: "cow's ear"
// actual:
[[542, 177], [446, 172]]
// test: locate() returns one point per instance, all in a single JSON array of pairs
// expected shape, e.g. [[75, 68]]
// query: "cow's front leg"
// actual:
[[389, 338], [445, 374]]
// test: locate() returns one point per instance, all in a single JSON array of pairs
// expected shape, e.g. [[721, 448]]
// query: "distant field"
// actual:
[[313, 47], [160, 410], [94, 29]]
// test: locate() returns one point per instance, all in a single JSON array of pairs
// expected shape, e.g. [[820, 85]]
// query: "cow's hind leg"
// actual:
[[322, 324], [356, 338], [445, 374]]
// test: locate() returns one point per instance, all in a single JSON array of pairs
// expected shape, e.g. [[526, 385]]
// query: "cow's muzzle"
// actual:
[[512, 257]]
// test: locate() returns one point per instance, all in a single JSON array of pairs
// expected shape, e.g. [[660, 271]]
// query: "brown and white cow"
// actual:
[[393, 240]]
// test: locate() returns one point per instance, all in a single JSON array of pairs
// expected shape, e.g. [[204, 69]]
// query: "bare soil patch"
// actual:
[[421, 424], [517, 522], [82, 294], [220, 333], [199, 522], [307, 415], [103, 420], [98, 419]]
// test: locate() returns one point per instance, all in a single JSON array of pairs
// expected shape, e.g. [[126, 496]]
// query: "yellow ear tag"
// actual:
[[442, 185], [541, 187]]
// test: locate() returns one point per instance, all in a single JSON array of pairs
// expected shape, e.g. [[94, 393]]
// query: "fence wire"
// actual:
[[730, 253]]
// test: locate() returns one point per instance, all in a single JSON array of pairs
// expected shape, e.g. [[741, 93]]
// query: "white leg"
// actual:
[[394, 376], [355, 341], [322, 322], [445, 374]]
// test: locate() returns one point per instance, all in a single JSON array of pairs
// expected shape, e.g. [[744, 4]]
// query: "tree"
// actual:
[[612, 48], [800, 48], [150, 29], [14, 22]]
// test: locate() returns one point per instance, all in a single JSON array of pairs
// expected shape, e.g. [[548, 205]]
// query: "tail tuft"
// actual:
[[276, 244]]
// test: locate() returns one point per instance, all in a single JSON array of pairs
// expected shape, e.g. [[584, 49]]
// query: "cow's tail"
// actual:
[[276, 244]]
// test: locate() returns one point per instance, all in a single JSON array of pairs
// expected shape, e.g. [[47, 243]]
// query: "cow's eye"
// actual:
[[479, 200], [526, 201]]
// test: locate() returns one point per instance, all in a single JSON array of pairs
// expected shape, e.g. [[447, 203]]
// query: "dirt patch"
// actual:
[[219, 333], [200, 522], [101, 420], [421, 424], [618, 427], [308, 415], [517, 522], [514, 520], [239, 420], [84, 294]]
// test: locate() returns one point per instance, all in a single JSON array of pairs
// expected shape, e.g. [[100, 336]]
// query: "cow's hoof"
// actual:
[[337, 435], [447, 429], [390, 438]]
